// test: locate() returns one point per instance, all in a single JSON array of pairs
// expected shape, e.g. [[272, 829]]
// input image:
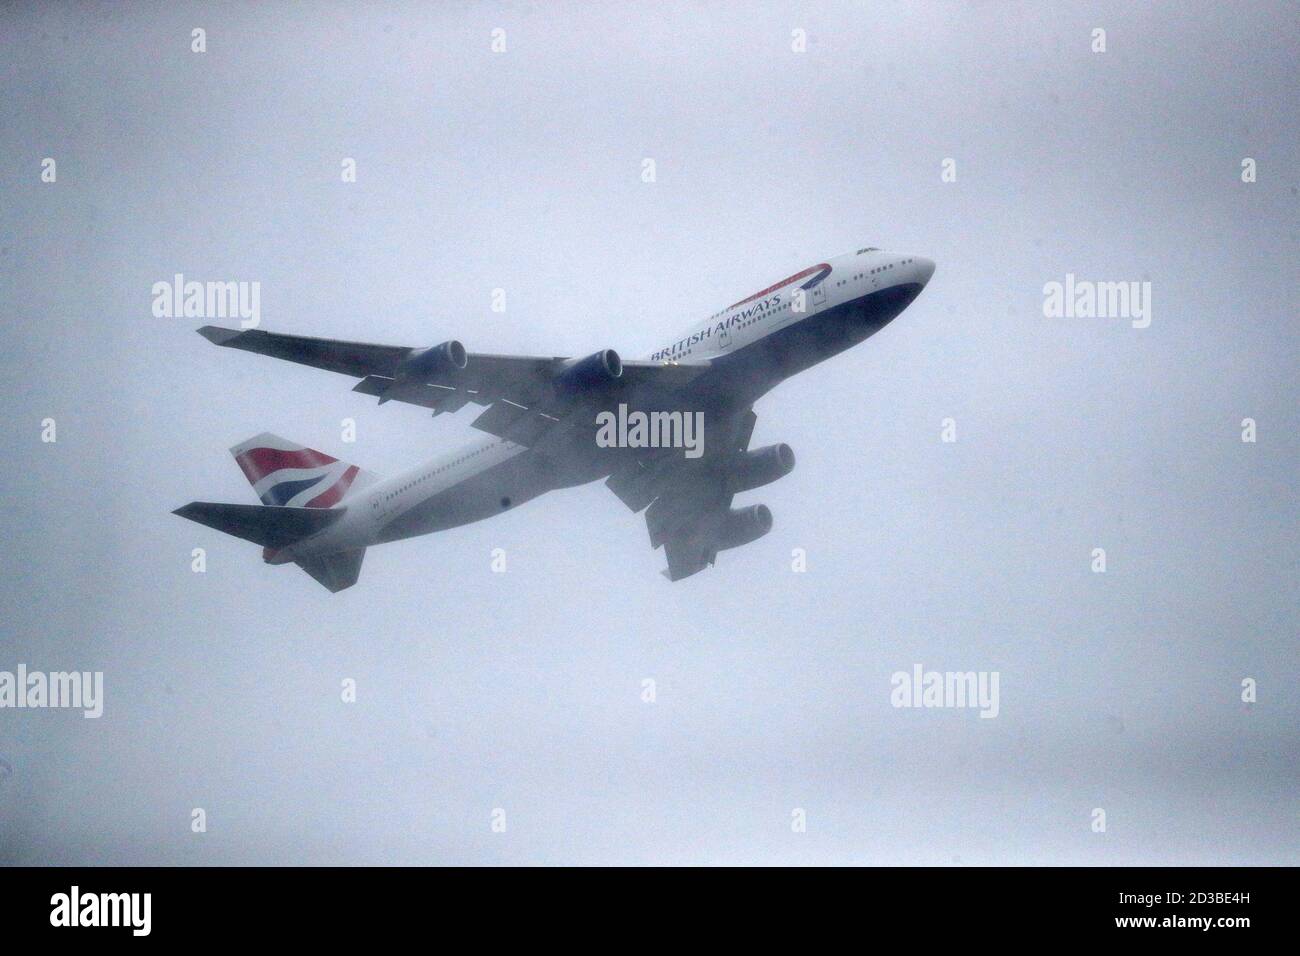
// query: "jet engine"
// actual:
[[761, 466], [422, 365], [595, 370], [743, 525]]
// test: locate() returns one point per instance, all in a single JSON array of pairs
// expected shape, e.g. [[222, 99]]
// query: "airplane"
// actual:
[[541, 418]]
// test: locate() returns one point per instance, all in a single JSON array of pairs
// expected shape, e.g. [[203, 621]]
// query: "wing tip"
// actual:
[[218, 335]]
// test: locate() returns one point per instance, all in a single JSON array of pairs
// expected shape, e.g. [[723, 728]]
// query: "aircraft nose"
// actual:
[[924, 269]]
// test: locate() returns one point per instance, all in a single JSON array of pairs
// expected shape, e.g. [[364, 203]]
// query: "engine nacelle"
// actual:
[[743, 525], [423, 365], [762, 466], [596, 370]]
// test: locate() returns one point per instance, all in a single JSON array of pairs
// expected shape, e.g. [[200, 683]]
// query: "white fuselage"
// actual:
[[488, 475]]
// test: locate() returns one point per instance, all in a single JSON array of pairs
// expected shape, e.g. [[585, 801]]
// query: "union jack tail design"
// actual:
[[289, 475]]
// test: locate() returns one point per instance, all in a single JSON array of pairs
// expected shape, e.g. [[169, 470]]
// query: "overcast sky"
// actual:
[[522, 170]]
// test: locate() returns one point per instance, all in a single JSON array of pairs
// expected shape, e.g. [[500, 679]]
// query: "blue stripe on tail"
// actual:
[[285, 490]]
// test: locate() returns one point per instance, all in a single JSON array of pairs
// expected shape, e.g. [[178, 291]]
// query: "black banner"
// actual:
[[1224, 906]]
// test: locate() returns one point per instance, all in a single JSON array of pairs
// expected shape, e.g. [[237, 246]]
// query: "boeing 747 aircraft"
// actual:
[[543, 418]]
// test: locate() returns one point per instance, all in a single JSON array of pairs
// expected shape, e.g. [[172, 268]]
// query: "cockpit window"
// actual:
[[868, 249]]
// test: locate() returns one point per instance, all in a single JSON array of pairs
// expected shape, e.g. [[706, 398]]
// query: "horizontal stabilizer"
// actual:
[[335, 571], [271, 527]]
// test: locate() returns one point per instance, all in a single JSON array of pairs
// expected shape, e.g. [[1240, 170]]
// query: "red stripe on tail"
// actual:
[[257, 463], [331, 496]]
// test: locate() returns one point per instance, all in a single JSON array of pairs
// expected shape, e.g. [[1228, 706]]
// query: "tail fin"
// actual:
[[300, 489], [285, 474]]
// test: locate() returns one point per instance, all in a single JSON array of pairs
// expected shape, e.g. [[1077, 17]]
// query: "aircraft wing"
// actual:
[[523, 382], [686, 500], [485, 378], [686, 525]]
